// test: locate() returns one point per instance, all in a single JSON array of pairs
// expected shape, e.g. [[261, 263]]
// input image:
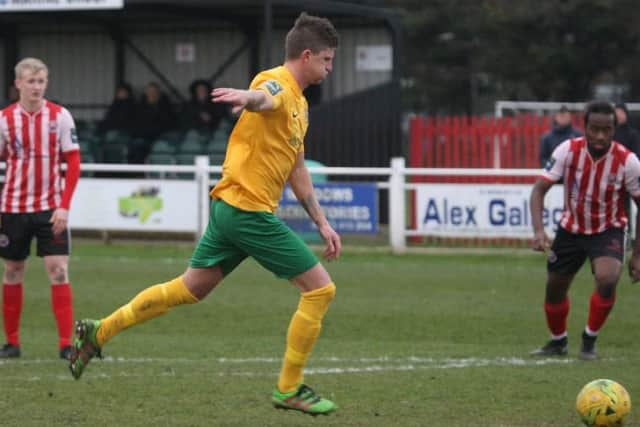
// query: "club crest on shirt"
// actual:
[[4, 240], [295, 142], [549, 165], [273, 87], [53, 127]]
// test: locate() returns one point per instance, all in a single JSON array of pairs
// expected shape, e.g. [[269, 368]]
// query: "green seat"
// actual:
[[162, 146], [217, 146], [114, 153], [116, 136], [173, 137], [115, 147], [191, 146]]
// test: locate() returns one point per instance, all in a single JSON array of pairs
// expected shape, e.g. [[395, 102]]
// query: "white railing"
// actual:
[[393, 178]]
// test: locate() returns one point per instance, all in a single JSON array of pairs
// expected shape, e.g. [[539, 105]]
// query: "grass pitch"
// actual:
[[414, 340]]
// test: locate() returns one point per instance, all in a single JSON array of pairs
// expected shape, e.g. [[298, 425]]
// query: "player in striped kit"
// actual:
[[598, 172], [36, 135]]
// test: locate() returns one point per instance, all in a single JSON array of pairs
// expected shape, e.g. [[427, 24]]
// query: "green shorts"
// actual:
[[233, 234]]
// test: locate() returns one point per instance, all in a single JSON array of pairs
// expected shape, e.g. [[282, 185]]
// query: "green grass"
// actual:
[[415, 340]]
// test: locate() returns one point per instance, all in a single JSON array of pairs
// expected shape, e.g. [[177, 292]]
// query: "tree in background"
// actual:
[[460, 55]]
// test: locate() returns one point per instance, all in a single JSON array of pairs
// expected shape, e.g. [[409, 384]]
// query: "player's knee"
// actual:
[[57, 272], [328, 292], [607, 279], [14, 272]]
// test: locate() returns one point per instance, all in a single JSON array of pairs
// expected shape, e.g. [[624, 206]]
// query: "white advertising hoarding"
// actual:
[[41, 5], [135, 204], [483, 210]]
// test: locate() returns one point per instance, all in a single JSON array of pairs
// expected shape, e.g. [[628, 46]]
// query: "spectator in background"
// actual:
[[199, 112], [121, 112], [625, 134], [561, 131], [630, 138], [154, 116], [13, 95]]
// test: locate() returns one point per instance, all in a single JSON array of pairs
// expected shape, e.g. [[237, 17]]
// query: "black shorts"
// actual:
[[18, 230], [569, 251]]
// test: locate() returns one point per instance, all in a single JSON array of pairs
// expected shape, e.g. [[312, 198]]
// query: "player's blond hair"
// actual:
[[30, 64]]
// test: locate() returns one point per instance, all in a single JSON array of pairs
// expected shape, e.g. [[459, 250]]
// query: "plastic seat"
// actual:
[[191, 146], [162, 146], [217, 146]]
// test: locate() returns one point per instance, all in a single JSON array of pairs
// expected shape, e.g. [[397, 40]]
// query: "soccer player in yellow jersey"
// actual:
[[265, 151]]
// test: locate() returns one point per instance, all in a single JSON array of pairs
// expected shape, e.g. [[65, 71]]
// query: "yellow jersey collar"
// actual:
[[291, 81]]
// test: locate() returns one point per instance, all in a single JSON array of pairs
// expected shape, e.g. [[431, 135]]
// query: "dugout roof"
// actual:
[[258, 18]]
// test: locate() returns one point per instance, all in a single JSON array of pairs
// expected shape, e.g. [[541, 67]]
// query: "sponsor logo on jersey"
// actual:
[[549, 164], [273, 87]]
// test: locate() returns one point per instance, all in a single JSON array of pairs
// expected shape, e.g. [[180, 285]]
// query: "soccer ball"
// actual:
[[603, 403]]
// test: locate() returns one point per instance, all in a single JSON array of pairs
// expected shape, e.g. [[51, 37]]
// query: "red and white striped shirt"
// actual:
[[33, 144], [594, 191]]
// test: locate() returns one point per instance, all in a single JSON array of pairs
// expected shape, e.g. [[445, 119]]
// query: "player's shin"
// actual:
[[302, 334], [62, 306], [599, 309], [556, 314], [12, 296], [149, 303]]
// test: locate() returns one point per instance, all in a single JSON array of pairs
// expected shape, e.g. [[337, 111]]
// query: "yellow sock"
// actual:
[[303, 332], [150, 303]]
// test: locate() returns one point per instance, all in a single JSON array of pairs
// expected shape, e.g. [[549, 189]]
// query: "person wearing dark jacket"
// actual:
[[561, 131], [154, 116], [199, 112], [120, 115], [625, 134]]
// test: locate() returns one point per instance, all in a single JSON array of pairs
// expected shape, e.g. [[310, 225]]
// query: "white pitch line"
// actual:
[[420, 364], [413, 360]]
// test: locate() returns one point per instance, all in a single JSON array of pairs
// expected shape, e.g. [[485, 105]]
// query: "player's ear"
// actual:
[[305, 55]]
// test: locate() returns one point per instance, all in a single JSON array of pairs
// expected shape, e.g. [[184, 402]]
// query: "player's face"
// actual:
[[599, 131], [317, 65], [32, 85]]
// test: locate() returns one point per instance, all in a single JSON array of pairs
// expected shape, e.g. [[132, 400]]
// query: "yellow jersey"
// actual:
[[263, 146]]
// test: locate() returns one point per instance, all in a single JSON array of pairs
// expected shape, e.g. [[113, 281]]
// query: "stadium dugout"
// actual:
[[354, 115]]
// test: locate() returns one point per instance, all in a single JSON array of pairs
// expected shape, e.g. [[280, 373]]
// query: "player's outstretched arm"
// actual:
[[252, 100], [541, 241], [302, 187]]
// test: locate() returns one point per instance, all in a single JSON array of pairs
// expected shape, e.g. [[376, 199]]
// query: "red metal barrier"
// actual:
[[476, 142]]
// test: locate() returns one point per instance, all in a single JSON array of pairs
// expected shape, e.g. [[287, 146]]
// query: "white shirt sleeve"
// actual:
[[68, 135], [3, 133], [632, 175], [554, 169]]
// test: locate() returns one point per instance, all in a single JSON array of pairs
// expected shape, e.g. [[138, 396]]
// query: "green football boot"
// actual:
[[304, 399], [85, 346]]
